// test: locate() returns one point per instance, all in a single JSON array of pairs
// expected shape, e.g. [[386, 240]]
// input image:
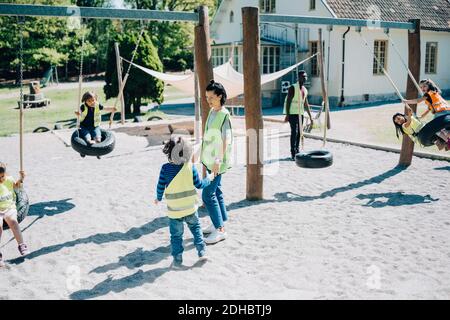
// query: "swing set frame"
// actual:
[[251, 19]]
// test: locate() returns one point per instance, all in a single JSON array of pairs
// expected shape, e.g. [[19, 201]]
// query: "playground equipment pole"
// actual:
[[120, 83], [414, 57], [204, 67], [252, 102]]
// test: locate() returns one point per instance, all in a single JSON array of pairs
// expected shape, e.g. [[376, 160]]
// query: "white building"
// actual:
[[352, 72]]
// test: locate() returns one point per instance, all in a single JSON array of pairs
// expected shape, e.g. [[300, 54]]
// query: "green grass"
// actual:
[[61, 110]]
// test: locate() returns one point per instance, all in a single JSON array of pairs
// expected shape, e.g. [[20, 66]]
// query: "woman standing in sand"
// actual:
[[215, 156]]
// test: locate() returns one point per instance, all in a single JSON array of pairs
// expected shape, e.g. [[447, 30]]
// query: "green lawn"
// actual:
[[61, 110]]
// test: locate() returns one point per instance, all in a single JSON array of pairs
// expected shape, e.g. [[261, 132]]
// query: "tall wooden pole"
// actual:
[[203, 66], [252, 102], [120, 83], [414, 57], [197, 129], [320, 58]]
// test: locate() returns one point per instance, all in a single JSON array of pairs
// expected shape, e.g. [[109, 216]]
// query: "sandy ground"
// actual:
[[359, 229]]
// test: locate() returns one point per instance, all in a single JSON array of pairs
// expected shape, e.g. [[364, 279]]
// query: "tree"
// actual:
[[139, 85], [174, 40]]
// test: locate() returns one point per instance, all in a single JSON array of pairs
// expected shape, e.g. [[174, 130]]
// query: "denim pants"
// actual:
[[90, 133], [212, 197], [176, 227]]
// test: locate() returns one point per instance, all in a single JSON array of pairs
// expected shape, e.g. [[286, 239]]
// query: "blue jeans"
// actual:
[[212, 197], [176, 227], [90, 133]]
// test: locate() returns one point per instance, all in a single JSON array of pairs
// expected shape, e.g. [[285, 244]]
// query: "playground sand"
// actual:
[[360, 229]]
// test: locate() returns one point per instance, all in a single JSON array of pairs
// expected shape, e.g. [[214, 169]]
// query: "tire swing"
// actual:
[[22, 202], [427, 135], [322, 158], [79, 144], [22, 206]]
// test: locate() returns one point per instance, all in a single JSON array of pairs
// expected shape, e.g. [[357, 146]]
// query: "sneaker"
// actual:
[[202, 255], [23, 249], [177, 261], [210, 229], [216, 236]]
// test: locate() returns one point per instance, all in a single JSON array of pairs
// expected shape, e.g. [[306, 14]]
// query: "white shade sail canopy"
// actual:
[[225, 74]]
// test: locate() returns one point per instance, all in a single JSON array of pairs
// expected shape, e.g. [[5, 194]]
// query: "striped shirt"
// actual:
[[169, 171]]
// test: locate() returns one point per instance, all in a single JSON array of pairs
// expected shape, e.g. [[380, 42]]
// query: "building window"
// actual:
[[267, 6], [312, 5], [236, 58], [270, 59], [431, 57], [231, 16], [380, 51], [313, 49], [220, 55]]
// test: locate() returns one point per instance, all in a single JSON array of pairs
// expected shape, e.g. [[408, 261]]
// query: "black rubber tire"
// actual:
[[314, 159], [154, 118], [22, 206], [99, 149], [41, 129], [427, 135]]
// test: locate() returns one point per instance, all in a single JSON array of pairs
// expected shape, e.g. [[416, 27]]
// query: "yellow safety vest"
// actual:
[[181, 196], [212, 143], [7, 194], [97, 114], [413, 129], [298, 102]]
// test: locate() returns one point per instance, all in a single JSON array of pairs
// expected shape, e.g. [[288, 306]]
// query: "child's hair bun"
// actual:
[[212, 81]]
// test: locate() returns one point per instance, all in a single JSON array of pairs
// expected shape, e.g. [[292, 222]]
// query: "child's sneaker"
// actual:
[[23, 249], [210, 229], [202, 255], [216, 236], [177, 262]]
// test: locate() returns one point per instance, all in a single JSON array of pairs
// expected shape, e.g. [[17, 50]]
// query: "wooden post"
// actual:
[[197, 130], [204, 67], [414, 57], [323, 84], [120, 83], [252, 102]]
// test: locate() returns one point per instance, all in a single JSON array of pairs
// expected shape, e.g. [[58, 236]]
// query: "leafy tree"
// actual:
[[139, 85], [174, 40]]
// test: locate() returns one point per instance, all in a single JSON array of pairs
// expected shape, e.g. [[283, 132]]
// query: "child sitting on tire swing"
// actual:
[[8, 210], [410, 125], [178, 180], [91, 118], [432, 97]]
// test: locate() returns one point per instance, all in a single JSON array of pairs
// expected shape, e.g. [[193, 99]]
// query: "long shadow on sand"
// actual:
[[101, 238], [394, 199], [50, 208], [139, 258], [291, 197], [134, 280]]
